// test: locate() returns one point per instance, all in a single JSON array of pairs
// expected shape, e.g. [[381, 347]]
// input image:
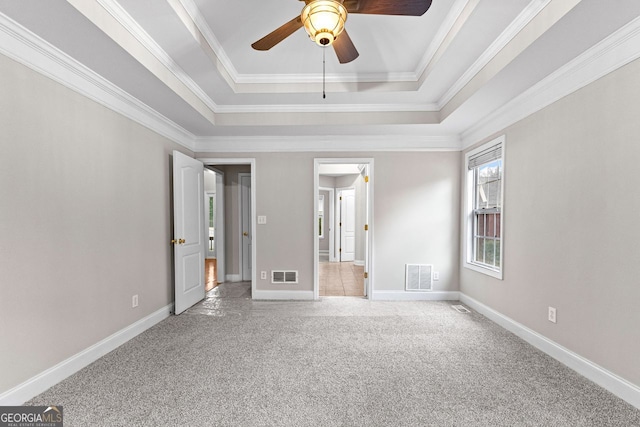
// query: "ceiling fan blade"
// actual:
[[277, 35], [388, 7], [344, 48]]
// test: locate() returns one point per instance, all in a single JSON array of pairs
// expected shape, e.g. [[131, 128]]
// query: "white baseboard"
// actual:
[[52, 376], [324, 252], [233, 278], [359, 263], [605, 379], [415, 296], [282, 295]]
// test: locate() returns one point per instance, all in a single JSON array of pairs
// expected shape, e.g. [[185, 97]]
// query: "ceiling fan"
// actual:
[[324, 22]]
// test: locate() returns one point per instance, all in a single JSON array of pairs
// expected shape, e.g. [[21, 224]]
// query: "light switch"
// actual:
[[262, 219]]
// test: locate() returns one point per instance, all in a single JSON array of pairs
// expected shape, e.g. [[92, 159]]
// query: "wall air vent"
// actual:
[[284, 276], [418, 277]]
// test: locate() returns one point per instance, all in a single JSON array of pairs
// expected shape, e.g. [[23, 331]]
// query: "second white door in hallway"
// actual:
[[347, 205]]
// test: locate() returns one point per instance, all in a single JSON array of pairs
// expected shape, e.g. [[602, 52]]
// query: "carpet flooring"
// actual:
[[231, 361]]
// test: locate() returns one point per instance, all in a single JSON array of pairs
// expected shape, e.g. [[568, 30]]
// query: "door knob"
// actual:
[[181, 241], [245, 234], [174, 241]]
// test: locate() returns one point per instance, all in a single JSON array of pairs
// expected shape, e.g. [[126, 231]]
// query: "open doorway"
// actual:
[[214, 227], [343, 235], [233, 240]]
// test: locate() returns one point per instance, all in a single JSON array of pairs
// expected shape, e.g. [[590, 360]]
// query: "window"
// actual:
[[484, 207]]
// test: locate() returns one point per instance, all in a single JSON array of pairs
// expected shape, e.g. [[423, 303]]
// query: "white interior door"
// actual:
[[348, 225], [245, 214], [188, 235]]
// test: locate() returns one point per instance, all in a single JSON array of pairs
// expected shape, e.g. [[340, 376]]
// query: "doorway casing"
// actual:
[[252, 215], [367, 163]]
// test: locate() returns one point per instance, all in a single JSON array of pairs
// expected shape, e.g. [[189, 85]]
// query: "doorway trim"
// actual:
[[253, 218], [368, 163]]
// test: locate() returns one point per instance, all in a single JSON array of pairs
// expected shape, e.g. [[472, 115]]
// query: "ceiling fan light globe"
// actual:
[[324, 20]]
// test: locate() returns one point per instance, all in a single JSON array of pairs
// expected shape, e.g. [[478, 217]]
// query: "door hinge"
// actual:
[[366, 178], [366, 227], [340, 197], [366, 275], [340, 224], [340, 250]]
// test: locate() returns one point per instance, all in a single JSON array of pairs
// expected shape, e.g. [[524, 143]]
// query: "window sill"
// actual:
[[484, 270]]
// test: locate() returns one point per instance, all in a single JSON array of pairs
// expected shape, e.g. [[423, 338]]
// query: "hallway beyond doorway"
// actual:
[[341, 279], [210, 274]]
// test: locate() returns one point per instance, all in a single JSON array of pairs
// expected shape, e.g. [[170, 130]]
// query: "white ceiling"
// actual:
[[425, 81]]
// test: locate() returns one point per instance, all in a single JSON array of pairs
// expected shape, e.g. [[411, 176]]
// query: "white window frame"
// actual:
[[469, 214]]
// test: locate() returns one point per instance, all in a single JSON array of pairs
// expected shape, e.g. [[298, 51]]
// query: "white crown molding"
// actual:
[[133, 27], [615, 51], [604, 378], [521, 21], [441, 35], [23, 46], [331, 108], [329, 143], [286, 79], [196, 16]]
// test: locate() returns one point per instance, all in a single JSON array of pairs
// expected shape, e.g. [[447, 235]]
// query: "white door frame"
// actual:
[[330, 231], [241, 220], [254, 244], [369, 193]]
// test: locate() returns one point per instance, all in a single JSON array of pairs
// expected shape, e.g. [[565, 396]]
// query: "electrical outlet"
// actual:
[[263, 275], [436, 275], [262, 219], [134, 301], [552, 314]]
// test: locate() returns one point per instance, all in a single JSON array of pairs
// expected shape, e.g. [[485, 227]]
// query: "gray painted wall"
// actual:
[[98, 224], [416, 208], [571, 230], [85, 223]]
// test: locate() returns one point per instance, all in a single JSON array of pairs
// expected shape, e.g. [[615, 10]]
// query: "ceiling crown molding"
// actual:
[[617, 50], [327, 143], [131, 25], [23, 46], [521, 21], [333, 108]]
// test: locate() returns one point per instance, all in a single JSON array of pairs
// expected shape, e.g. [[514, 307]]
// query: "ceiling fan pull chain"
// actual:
[[324, 95]]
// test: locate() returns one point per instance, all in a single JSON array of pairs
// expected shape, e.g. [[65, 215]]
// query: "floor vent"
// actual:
[[460, 309], [418, 277], [284, 276]]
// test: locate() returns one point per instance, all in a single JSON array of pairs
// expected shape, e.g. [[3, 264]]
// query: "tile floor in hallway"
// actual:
[[341, 279]]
